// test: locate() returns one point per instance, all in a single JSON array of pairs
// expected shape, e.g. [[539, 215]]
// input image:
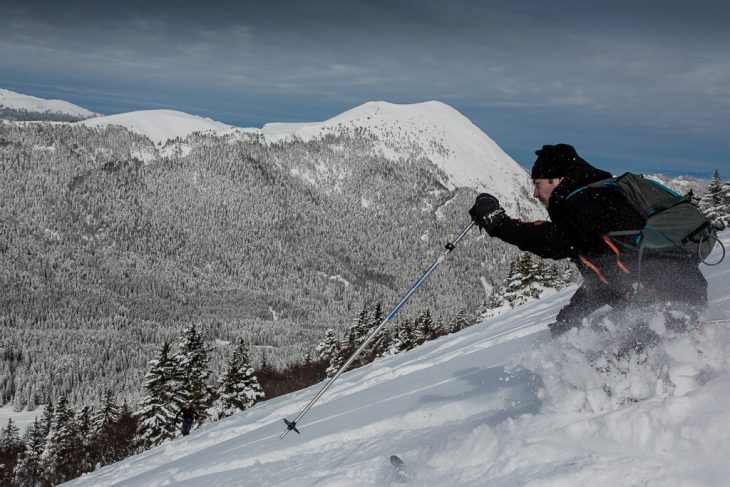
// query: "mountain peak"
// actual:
[[16, 101], [160, 125], [434, 130]]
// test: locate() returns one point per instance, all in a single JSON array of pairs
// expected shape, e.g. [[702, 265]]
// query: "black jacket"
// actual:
[[188, 414], [580, 219]]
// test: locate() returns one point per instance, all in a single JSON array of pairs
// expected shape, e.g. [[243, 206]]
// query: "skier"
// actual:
[[580, 218], [188, 414]]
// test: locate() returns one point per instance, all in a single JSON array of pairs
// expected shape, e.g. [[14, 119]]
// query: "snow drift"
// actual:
[[498, 404]]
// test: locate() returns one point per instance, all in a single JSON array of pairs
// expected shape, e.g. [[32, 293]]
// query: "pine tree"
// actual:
[[85, 435], [158, 408], [715, 203], [355, 334], [103, 426], [329, 347], [10, 447], [405, 338], [124, 433], [460, 321], [239, 388], [193, 360], [425, 329], [59, 463], [29, 469]]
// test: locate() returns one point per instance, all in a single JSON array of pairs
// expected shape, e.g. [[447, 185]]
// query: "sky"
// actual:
[[633, 85]]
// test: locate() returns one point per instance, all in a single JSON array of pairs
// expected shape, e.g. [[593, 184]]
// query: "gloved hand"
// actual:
[[486, 212]]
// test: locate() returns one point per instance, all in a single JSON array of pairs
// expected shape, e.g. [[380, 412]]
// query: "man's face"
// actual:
[[544, 188]]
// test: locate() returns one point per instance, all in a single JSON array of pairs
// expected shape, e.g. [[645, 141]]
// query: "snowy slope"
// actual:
[[446, 136], [436, 131], [17, 101], [160, 125], [499, 404]]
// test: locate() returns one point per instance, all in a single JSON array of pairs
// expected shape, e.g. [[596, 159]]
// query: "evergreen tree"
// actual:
[[239, 388], [329, 347], [124, 433], [405, 338], [104, 429], [355, 334], [85, 436], [193, 360], [160, 403], [715, 203], [29, 469], [10, 447], [460, 321], [425, 329], [59, 463]]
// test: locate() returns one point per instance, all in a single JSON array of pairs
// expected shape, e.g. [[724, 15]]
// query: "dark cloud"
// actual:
[[642, 81]]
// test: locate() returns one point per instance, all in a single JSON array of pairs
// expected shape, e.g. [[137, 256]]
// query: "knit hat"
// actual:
[[554, 161]]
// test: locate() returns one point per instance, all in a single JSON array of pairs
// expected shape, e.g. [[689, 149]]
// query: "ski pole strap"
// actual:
[[291, 425]]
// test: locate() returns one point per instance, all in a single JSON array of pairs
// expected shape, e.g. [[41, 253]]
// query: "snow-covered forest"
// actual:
[[106, 256]]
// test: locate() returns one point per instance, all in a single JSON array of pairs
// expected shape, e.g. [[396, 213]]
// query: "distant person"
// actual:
[[188, 414], [580, 219]]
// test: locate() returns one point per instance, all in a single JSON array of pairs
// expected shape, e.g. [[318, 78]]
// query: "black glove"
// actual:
[[486, 212]]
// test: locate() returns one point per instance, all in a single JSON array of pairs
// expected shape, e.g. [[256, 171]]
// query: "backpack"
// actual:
[[673, 223]]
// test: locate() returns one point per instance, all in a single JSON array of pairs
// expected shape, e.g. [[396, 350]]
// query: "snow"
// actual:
[[467, 156], [432, 129], [498, 404], [17, 101], [21, 419], [160, 125]]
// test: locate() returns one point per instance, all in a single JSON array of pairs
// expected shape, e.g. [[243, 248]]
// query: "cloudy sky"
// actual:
[[634, 85]]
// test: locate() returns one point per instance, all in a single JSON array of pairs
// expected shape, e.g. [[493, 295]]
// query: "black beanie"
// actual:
[[554, 161]]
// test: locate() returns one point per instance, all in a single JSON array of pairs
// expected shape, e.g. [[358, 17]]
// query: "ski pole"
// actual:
[[292, 425]]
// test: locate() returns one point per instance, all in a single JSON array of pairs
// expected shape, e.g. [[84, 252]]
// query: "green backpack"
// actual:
[[673, 223]]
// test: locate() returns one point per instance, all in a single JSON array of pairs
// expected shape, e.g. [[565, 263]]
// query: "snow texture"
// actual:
[[434, 130], [22, 419], [160, 125], [498, 404], [17, 101]]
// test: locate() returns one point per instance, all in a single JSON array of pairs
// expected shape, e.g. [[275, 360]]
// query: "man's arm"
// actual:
[[542, 238]]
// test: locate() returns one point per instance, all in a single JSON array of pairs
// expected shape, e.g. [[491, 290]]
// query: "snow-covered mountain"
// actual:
[[160, 125], [430, 129], [10, 100], [498, 404], [682, 184], [433, 130]]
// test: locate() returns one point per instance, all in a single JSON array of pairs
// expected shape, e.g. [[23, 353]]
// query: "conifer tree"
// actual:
[[405, 337], [29, 469], [193, 360], [159, 404], [355, 334], [10, 447], [86, 439], [239, 388], [103, 426], [715, 203], [59, 463], [460, 321], [124, 433], [329, 347], [425, 328]]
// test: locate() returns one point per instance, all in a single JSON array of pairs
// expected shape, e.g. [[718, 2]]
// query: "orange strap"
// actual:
[[595, 269], [613, 247]]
